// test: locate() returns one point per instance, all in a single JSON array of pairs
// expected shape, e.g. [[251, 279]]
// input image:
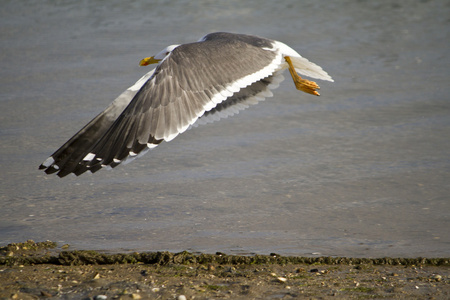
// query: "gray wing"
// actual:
[[193, 79]]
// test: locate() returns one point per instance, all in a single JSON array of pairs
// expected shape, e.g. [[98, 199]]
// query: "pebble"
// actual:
[[46, 294], [230, 270], [100, 297], [181, 297], [437, 277], [282, 279]]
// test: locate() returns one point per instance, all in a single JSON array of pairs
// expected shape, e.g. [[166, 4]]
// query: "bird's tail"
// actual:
[[310, 69]]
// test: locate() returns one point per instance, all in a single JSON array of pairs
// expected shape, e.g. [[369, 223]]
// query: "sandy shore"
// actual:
[[40, 270]]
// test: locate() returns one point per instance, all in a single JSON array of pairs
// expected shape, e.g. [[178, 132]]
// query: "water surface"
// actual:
[[364, 170]]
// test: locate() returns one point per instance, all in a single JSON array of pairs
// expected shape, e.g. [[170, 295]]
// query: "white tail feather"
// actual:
[[307, 68]]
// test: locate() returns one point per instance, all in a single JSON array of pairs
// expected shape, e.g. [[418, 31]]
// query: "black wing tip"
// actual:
[[60, 173], [78, 170], [50, 167], [63, 167]]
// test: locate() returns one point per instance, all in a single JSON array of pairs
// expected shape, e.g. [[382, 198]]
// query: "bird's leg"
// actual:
[[301, 84]]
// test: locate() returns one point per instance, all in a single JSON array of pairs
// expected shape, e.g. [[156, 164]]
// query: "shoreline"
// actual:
[[33, 270]]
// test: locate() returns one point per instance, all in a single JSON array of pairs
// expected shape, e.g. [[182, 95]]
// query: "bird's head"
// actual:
[[158, 57]]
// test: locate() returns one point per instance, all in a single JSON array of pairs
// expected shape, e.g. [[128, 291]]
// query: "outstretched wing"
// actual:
[[193, 79]]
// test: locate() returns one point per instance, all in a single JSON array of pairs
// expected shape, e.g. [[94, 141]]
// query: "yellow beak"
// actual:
[[148, 61]]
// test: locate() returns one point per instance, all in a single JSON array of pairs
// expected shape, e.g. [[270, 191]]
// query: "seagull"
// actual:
[[192, 84]]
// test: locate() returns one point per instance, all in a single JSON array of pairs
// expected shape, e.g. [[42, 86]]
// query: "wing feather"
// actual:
[[206, 78]]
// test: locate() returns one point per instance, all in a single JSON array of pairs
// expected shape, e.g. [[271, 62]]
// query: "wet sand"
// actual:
[[41, 270]]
